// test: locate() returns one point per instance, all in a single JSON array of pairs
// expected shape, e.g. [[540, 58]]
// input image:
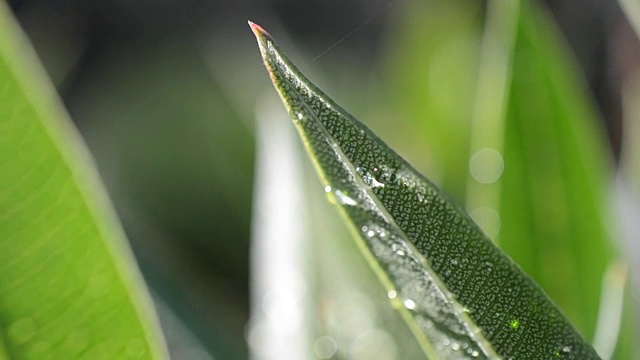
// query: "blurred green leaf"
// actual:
[[459, 294], [550, 212], [177, 162], [556, 181], [69, 288], [429, 71], [555, 175]]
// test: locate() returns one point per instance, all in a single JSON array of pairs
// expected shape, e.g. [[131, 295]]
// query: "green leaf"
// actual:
[[459, 294], [547, 110], [554, 203], [553, 206], [69, 288], [429, 82]]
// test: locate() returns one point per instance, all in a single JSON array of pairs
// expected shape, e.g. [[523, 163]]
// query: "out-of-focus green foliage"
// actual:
[[555, 182], [68, 284], [555, 187], [554, 148], [137, 80], [429, 74], [180, 159]]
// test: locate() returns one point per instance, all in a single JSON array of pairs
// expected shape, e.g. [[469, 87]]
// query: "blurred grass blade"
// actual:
[[550, 165], [631, 9], [459, 294], [279, 318], [429, 84], [611, 310], [68, 286], [488, 116], [556, 219]]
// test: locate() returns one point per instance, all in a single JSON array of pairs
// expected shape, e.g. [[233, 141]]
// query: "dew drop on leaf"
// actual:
[[344, 199], [434, 257], [409, 304]]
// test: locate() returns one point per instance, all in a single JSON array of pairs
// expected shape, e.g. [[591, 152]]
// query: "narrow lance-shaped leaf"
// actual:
[[459, 294], [68, 286]]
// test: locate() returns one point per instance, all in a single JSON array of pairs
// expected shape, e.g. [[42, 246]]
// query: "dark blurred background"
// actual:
[[164, 92]]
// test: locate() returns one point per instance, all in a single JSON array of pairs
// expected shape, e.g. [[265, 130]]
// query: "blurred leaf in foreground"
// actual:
[[68, 286], [459, 294], [177, 160]]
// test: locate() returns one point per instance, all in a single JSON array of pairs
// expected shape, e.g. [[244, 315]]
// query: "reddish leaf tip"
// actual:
[[257, 29]]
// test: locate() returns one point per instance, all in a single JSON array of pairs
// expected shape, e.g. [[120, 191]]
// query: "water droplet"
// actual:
[[566, 349], [370, 233], [375, 183], [486, 166], [327, 189], [365, 228], [344, 199], [300, 116], [370, 180], [409, 304], [325, 347], [392, 294], [474, 353], [455, 346], [446, 341], [22, 330]]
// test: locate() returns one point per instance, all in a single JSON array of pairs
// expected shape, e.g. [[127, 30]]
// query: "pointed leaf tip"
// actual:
[[262, 37], [257, 29], [451, 284]]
